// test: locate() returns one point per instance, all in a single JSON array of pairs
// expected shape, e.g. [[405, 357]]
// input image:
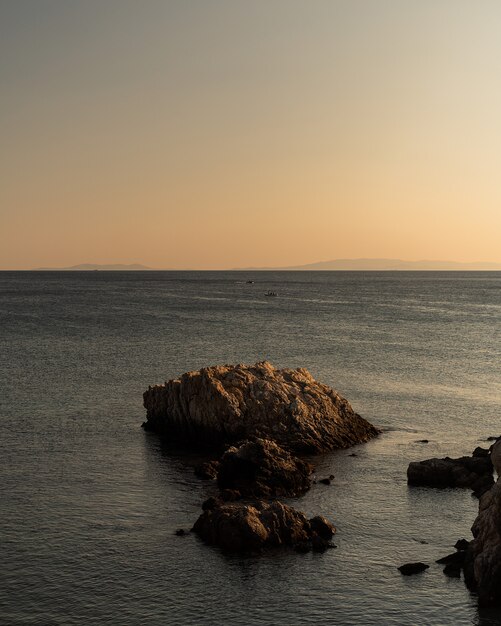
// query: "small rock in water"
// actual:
[[325, 481], [353, 454], [412, 568], [180, 532], [423, 441]]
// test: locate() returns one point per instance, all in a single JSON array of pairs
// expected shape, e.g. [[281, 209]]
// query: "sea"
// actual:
[[90, 502]]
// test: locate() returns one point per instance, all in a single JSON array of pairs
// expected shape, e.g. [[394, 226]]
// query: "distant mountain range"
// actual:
[[386, 264], [336, 264], [87, 267]]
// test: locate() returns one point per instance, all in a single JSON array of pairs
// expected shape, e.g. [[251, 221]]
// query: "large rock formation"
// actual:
[[483, 561], [262, 469], [239, 527], [229, 403], [474, 472]]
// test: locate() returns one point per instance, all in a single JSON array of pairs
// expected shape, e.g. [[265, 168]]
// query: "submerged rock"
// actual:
[[228, 403], [483, 557], [474, 472], [239, 527], [261, 468]]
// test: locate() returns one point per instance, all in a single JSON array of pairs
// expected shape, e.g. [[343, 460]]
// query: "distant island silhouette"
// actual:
[[86, 267], [385, 265], [365, 265]]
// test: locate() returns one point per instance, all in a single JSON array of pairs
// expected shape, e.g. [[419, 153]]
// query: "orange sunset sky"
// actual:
[[215, 134]]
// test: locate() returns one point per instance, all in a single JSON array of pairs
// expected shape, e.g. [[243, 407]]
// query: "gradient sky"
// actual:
[[225, 133]]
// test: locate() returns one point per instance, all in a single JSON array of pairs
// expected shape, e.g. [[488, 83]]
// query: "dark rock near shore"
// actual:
[[474, 472], [482, 452], [208, 470], [483, 558], [229, 403], [462, 544], [322, 527], [261, 468], [239, 527], [326, 481], [412, 568]]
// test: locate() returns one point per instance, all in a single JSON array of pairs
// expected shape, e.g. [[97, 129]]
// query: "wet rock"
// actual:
[[474, 472], [423, 441], [180, 532], [230, 495], [456, 558], [322, 527], [244, 527], [208, 470], [412, 568], [462, 545], [240, 527], [483, 557], [495, 451], [262, 469], [492, 438], [353, 454], [211, 503], [229, 403], [452, 570], [326, 481], [480, 452], [319, 544]]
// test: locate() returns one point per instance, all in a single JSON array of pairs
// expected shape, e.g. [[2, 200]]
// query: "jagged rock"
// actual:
[[208, 470], [474, 472], [210, 503], [228, 403], [462, 544], [230, 495], [180, 532], [453, 570], [480, 452], [239, 527], [322, 527], [261, 468], [495, 451], [483, 557], [412, 568]]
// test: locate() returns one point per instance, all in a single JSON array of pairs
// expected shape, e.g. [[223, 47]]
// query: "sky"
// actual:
[[214, 134]]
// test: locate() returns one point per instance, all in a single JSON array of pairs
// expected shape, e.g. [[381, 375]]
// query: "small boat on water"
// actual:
[[271, 294]]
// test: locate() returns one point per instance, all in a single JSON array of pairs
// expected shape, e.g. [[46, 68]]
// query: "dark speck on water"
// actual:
[[91, 502]]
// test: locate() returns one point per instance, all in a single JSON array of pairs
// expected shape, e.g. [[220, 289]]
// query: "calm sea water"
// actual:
[[89, 502]]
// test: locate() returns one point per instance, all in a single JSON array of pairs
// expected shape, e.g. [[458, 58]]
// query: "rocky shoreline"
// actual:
[[262, 418], [480, 558]]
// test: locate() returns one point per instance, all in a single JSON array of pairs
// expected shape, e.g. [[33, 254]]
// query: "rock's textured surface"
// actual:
[[262, 469], [474, 472], [229, 403], [239, 527], [483, 558]]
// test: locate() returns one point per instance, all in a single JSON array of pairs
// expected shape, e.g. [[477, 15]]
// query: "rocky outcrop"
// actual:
[[239, 527], [229, 403], [262, 469], [474, 472], [483, 559]]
